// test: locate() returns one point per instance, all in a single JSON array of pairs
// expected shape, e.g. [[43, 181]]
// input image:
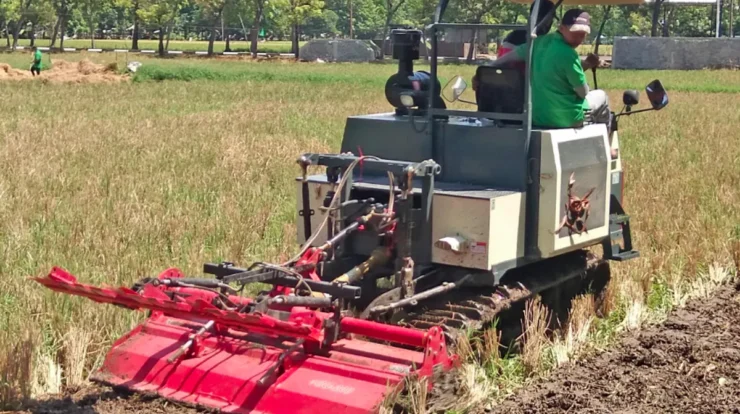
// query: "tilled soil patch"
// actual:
[[103, 400], [689, 364]]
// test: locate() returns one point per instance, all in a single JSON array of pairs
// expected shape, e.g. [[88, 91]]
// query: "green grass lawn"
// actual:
[[183, 45], [115, 182]]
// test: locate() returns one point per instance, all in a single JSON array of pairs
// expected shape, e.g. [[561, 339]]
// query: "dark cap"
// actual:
[[577, 20]]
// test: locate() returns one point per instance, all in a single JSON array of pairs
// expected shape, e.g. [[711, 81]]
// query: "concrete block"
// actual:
[[678, 53], [339, 50]]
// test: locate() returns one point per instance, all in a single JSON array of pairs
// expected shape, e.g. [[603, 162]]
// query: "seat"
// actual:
[[500, 90]]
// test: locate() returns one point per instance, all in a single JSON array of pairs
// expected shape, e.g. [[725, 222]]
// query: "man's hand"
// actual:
[[592, 61]]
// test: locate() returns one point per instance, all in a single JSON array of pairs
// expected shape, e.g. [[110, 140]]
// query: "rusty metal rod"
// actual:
[[413, 300], [379, 257], [184, 348]]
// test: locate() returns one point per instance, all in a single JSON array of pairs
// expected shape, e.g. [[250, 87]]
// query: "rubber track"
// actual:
[[477, 308]]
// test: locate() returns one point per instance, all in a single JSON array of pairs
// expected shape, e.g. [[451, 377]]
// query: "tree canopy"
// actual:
[[224, 20]]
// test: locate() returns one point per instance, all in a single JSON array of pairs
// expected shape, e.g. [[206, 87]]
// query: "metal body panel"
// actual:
[[584, 152], [468, 152], [387, 136], [317, 190], [617, 172], [484, 164], [490, 223]]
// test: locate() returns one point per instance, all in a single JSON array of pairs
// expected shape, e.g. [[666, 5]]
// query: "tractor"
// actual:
[[428, 222]]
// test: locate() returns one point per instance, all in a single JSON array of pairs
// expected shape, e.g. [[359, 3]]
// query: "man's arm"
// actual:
[[575, 76], [516, 55], [591, 61]]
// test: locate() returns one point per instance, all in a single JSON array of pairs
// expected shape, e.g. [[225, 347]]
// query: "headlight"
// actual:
[[407, 100]]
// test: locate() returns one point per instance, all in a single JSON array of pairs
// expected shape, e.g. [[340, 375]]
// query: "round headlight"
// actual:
[[407, 100]]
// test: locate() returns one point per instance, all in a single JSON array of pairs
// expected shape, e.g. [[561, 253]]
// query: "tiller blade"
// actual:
[[205, 348]]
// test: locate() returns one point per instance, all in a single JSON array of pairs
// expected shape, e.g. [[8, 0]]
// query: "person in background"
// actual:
[[36, 65]]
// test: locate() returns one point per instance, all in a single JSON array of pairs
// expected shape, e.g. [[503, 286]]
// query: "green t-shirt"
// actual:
[[556, 72], [37, 59]]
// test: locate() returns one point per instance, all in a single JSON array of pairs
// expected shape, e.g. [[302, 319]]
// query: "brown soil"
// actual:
[[103, 400], [689, 364], [62, 71]]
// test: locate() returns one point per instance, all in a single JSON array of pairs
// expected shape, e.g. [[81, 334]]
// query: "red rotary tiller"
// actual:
[[282, 354]]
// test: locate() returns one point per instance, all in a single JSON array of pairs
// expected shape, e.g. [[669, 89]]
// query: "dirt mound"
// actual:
[[686, 365], [62, 71]]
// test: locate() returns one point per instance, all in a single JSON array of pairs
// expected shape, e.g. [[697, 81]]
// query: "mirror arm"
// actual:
[[635, 112]]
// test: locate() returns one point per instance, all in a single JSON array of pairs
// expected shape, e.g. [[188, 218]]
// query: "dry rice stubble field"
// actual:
[[119, 182]]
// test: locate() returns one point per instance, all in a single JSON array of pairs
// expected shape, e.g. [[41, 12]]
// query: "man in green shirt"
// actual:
[[560, 92], [36, 65]]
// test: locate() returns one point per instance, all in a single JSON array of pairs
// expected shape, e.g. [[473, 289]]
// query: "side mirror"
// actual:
[[657, 95], [631, 97], [454, 89]]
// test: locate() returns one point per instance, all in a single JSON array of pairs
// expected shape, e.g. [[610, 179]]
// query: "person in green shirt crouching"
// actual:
[[560, 93], [36, 65]]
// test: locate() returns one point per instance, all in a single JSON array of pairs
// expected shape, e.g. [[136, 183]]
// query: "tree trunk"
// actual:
[[732, 16], [656, 16], [211, 39], [254, 36], [7, 34], [63, 32], [92, 33], [296, 33], [16, 33], [161, 41], [55, 32], [471, 50], [135, 36], [225, 34], [351, 24], [386, 33], [33, 35], [666, 21]]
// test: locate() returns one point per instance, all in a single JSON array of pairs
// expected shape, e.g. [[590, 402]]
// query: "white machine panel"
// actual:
[[584, 152], [477, 229]]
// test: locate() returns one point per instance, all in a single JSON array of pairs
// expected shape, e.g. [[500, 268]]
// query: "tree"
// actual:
[[368, 18], [212, 11], [259, 10], [291, 14], [390, 11], [9, 14], [160, 14], [324, 23], [91, 10], [133, 6], [16, 14], [657, 5], [40, 14], [473, 11], [63, 10]]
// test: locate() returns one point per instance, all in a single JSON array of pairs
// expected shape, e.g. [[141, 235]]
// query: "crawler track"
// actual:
[[557, 280]]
